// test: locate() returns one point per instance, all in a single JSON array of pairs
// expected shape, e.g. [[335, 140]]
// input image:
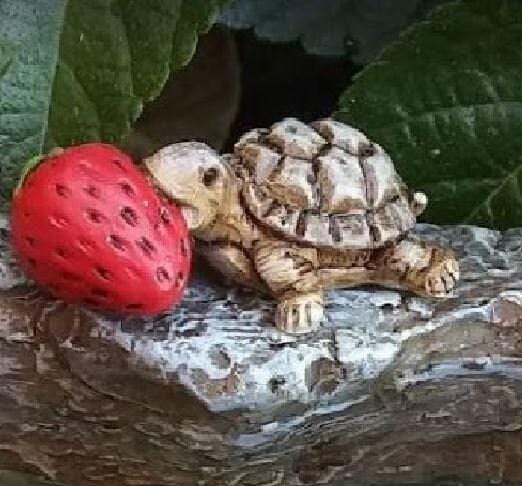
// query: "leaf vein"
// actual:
[[512, 176]]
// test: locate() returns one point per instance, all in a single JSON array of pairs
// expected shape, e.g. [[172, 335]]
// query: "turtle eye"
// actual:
[[210, 176]]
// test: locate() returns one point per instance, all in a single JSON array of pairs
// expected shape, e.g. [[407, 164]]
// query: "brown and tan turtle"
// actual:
[[298, 209]]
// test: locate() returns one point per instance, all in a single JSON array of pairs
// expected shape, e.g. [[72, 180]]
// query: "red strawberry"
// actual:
[[88, 226]]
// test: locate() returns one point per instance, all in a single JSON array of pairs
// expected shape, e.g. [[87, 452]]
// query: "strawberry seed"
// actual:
[[162, 275], [62, 191], [61, 252], [145, 246], [164, 215], [129, 216], [127, 189], [93, 191], [103, 273], [117, 242], [94, 216], [119, 163]]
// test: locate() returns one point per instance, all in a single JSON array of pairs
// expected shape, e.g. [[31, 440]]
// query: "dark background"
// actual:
[[281, 80]]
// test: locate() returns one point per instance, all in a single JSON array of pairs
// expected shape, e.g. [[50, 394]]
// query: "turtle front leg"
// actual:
[[290, 272], [418, 266], [300, 313]]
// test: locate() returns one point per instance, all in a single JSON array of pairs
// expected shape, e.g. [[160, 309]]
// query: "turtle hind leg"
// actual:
[[418, 266], [290, 271]]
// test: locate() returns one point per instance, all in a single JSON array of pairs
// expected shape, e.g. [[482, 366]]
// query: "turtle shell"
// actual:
[[325, 185]]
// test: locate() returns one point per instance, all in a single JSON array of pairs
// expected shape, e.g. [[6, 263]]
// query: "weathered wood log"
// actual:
[[392, 388]]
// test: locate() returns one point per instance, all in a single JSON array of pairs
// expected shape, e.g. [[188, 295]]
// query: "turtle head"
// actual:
[[195, 177]]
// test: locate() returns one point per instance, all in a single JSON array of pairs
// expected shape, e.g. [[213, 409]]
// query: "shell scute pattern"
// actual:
[[342, 136], [260, 160], [382, 182], [341, 180], [292, 184], [295, 139], [326, 185]]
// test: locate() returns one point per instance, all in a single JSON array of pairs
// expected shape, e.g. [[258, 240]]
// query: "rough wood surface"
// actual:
[[392, 389]]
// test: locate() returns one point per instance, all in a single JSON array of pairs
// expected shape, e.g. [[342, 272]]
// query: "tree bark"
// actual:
[[392, 389]]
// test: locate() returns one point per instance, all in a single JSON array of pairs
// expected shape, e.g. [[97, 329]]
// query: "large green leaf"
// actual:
[[77, 70], [329, 27], [446, 101]]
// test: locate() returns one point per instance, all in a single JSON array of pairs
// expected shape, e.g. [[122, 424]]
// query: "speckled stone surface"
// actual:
[[210, 394], [220, 343], [10, 274], [222, 346]]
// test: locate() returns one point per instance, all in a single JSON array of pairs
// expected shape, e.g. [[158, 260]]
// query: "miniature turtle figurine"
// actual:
[[298, 209]]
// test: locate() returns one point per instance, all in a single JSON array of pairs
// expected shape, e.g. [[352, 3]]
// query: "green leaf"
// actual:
[[29, 38], [75, 70], [329, 27], [446, 102]]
